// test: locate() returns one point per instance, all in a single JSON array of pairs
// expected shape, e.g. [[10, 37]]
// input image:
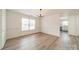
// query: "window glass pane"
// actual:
[[28, 24], [25, 23], [32, 24], [65, 23]]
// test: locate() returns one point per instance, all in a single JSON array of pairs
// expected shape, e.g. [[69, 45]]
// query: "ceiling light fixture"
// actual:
[[40, 12]]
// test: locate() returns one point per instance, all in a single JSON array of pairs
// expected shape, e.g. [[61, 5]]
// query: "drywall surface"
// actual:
[[2, 27], [14, 24], [51, 24], [74, 24], [77, 25]]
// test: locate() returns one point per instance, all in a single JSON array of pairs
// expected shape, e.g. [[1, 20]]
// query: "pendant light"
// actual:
[[40, 13]]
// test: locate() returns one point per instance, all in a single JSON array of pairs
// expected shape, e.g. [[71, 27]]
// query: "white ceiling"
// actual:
[[36, 12]]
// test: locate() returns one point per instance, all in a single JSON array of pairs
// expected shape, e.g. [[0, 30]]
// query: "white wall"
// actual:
[[77, 25], [14, 24], [74, 24], [51, 24], [2, 27]]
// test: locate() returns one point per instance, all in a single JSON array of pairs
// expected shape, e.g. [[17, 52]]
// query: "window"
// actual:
[[32, 24], [28, 24], [25, 23], [65, 23]]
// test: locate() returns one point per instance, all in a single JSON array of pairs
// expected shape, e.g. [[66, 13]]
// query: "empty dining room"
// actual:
[[39, 29]]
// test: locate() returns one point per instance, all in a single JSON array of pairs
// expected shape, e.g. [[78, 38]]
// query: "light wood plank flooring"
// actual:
[[41, 41]]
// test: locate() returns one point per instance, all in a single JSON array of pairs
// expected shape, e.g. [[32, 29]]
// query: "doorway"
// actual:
[[64, 32], [64, 23]]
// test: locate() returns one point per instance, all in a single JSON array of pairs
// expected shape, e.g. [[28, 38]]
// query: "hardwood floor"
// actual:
[[69, 42], [41, 41]]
